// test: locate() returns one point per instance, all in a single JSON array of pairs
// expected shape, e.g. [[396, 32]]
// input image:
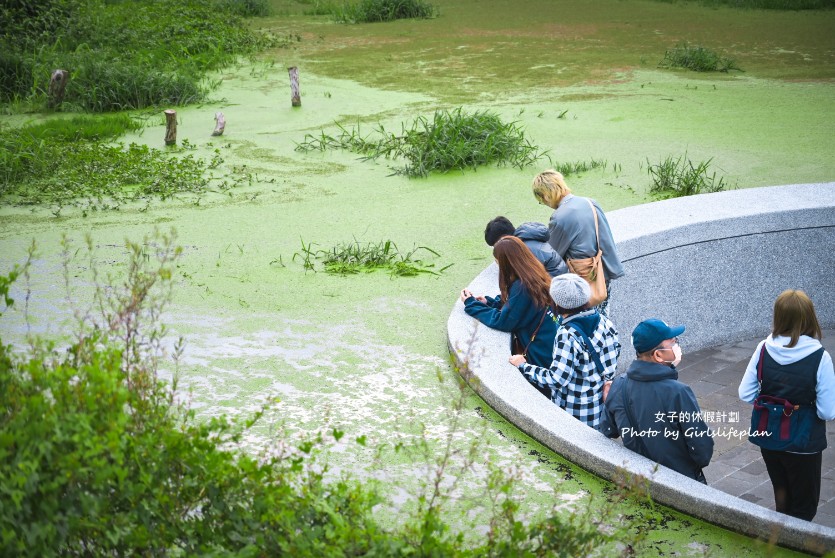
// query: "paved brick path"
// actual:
[[737, 467]]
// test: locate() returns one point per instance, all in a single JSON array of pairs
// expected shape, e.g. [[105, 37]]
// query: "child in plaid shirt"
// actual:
[[585, 355]]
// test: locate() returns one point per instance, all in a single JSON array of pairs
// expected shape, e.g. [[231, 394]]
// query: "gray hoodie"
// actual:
[[535, 236]]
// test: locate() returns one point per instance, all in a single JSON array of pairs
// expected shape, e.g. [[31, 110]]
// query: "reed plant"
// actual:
[[697, 58], [450, 140], [678, 176]]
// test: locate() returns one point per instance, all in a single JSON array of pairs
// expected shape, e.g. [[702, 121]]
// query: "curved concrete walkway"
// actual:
[[714, 262]]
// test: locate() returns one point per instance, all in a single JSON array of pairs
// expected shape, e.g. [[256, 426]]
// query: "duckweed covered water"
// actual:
[[366, 354]]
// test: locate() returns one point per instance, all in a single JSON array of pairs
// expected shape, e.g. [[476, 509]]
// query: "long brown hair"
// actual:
[[794, 315], [517, 262]]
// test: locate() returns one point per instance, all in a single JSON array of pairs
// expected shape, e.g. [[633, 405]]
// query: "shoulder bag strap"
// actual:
[[760, 370], [542, 319], [589, 347], [596, 229]]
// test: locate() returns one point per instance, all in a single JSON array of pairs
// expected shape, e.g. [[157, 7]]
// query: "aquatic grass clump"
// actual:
[[349, 258], [677, 177], [372, 11], [697, 58], [450, 140], [570, 168]]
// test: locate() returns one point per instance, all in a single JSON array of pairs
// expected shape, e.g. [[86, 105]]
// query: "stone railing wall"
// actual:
[[713, 262]]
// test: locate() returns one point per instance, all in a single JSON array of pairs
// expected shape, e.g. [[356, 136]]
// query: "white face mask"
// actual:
[[676, 352]]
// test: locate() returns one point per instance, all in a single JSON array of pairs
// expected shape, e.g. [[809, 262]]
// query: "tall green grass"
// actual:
[[372, 11], [129, 54], [676, 177], [450, 140], [697, 58]]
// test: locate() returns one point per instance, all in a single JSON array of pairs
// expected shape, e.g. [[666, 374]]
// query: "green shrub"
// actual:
[[451, 140], [372, 11], [98, 457], [126, 54], [696, 58], [676, 177]]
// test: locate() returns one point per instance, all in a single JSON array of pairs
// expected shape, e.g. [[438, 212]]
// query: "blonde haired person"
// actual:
[[571, 229], [796, 368]]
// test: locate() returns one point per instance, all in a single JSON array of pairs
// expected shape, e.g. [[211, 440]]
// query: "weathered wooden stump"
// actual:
[[57, 86], [220, 124], [170, 127], [294, 86]]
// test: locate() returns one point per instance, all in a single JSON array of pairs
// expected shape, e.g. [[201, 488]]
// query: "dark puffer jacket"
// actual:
[[535, 236], [669, 428]]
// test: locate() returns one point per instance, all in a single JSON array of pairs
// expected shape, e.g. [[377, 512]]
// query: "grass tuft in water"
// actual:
[[579, 166], [450, 140], [677, 177], [350, 258], [697, 58]]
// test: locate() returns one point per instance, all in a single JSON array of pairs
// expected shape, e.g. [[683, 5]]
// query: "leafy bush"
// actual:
[[98, 457], [451, 140], [372, 11], [676, 177], [696, 58], [126, 54]]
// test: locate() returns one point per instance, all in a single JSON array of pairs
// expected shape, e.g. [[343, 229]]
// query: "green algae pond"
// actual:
[[366, 353]]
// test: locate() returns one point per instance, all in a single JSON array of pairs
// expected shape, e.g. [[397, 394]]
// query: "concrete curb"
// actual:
[[714, 262]]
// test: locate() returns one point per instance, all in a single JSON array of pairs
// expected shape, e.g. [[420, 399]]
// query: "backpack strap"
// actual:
[[760, 370], [589, 346]]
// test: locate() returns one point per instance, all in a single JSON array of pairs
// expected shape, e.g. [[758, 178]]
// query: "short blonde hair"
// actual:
[[549, 187], [794, 315]]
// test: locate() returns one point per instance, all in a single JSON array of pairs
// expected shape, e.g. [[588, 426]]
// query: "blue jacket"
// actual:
[[535, 236], [521, 316], [669, 428]]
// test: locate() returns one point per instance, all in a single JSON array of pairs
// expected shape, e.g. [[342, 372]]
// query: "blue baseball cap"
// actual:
[[650, 333]]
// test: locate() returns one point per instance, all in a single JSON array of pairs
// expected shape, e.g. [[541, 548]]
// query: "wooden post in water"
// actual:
[[294, 86], [221, 124], [57, 85], [170, 127]]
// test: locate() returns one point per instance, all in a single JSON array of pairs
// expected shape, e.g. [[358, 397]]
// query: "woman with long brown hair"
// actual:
[[524, 306], [791, 383]]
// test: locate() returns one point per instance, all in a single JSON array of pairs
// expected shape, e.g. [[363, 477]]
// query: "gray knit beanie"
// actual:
[[570, 291]]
